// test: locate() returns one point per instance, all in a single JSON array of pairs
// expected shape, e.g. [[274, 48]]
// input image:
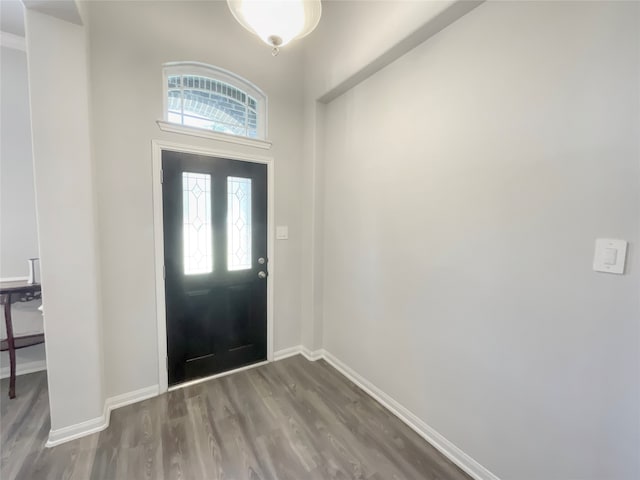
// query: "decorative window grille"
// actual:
[[238, 223], [196, 221], [213, 99]]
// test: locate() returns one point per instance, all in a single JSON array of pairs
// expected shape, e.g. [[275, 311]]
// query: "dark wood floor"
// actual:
[[291, 419]]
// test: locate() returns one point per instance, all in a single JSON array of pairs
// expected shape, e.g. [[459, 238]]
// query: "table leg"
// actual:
[[12, 347]]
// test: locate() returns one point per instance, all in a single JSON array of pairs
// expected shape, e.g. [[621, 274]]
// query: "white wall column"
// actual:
[[313, 200], [58, 78]]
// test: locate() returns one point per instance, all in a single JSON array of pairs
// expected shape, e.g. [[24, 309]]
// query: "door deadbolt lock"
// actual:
[[262, 261], [262, 275]]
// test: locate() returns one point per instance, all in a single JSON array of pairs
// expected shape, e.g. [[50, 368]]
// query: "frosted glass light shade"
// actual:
[[277, 22]]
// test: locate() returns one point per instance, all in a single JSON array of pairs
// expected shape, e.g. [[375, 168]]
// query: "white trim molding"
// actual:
[[310, 355], [211, 135], [444, 446], [9, 40], [14, 279], [24, 368], [287, 352], [158, 231], [72, 432], [136, 396]]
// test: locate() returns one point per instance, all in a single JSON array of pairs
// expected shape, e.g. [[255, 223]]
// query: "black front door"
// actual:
[[215, 253]]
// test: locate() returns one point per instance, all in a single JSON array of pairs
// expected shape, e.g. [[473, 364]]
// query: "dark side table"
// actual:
[[12, 292]]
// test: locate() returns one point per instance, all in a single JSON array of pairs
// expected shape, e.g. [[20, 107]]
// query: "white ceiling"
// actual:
[[66, 10], [12, 13], [12, 17]]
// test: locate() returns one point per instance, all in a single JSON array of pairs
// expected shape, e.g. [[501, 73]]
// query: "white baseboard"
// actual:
[[448, 449], [72, 432], [66, 434], [287, 352], [24, 368], [311, 355], [131, 397], [298, 350]]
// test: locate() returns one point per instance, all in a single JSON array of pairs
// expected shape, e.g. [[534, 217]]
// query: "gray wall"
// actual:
[[18, 229], [130, 41], [465, 185], [353, 40]]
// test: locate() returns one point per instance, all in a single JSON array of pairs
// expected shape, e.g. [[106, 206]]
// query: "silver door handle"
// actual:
[[262, 275]]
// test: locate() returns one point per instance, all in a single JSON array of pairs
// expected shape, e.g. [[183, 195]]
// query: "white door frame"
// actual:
[[158, 231]]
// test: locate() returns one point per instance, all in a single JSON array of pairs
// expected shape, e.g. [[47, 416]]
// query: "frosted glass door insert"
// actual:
[[196, 203], [238, 223]]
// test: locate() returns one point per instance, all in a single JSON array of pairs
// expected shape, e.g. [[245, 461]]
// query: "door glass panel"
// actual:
[[196, 215], [238, 223]]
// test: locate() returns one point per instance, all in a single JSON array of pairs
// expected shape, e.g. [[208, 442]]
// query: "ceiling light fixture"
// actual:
[[277, 22]]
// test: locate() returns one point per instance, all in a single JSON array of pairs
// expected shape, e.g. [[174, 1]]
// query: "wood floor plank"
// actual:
[[287, 420]]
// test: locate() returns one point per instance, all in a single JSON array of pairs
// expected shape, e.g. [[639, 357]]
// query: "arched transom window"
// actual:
[[207, 97]]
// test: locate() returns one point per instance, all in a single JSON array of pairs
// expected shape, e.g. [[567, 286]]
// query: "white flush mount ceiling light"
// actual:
[[277, 22]]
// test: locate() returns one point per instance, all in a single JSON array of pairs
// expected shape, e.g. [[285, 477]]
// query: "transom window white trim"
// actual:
[[208, 134], [204, 98]]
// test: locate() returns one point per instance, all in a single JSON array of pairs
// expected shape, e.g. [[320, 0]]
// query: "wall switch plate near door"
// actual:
[[610, 255], [282, 232]]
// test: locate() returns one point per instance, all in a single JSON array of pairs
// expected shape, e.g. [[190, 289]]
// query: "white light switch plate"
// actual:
[[610, 255], [282, 232]]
